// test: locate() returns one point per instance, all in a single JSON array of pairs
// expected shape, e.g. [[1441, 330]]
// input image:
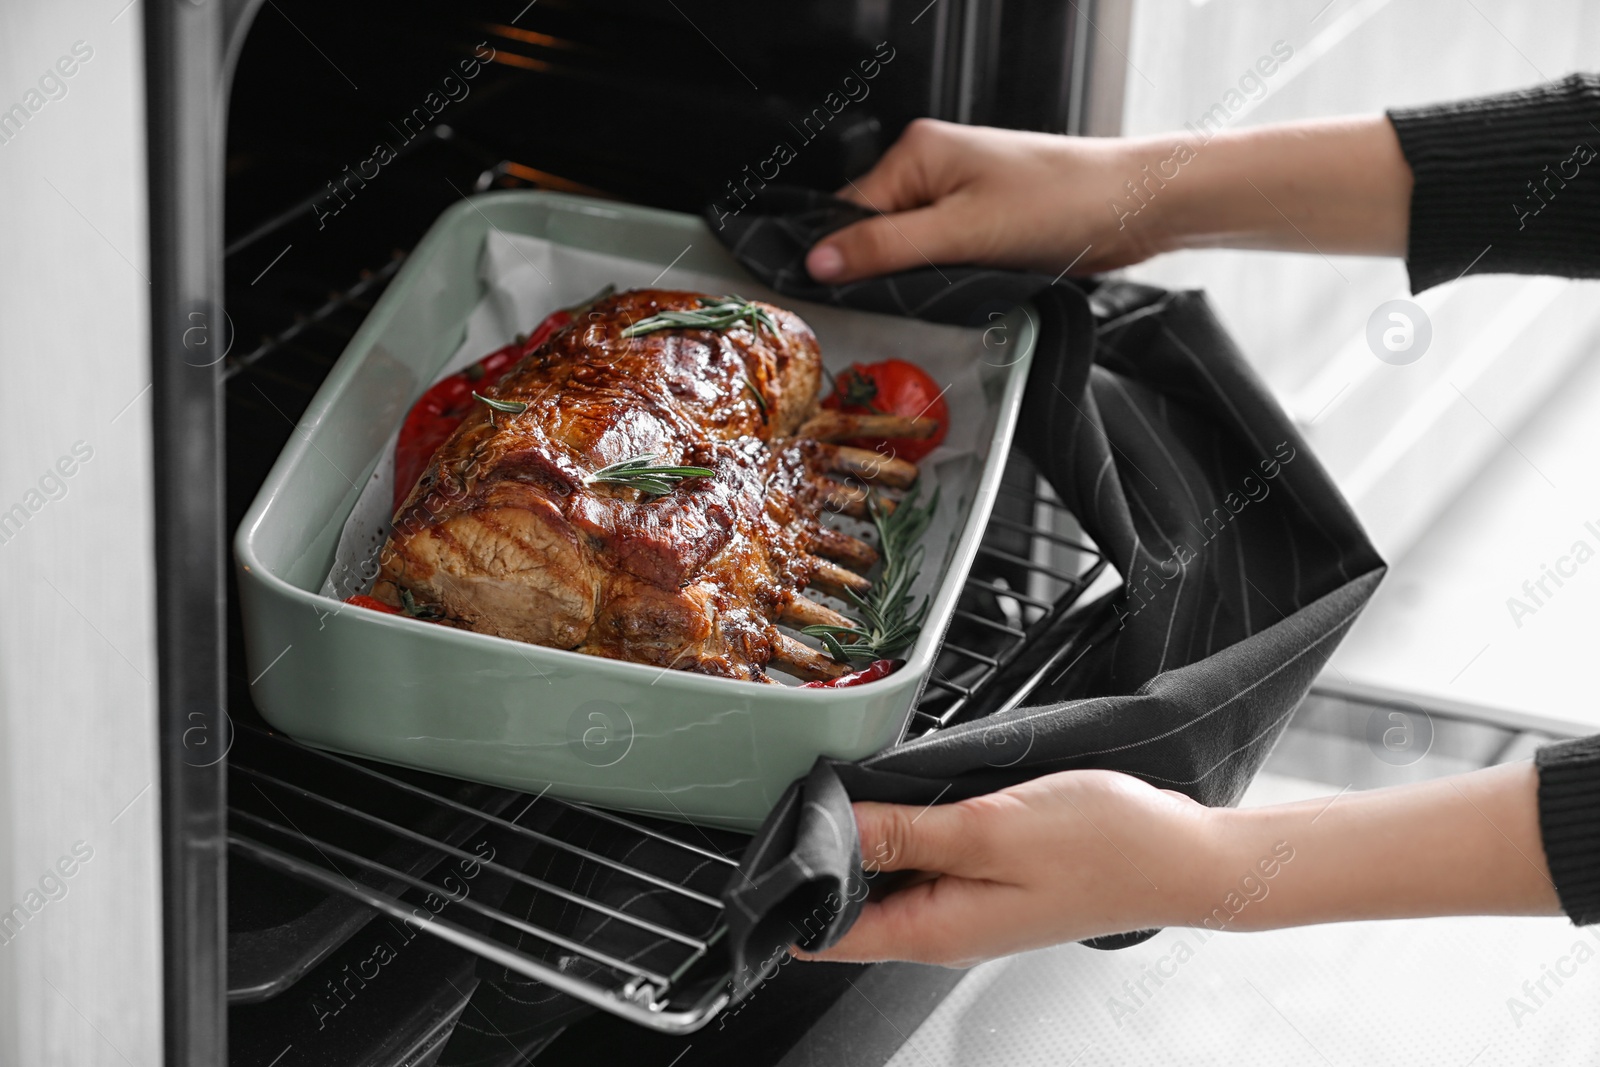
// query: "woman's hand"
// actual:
[[1085, 853], [1004, 198], [1067, 856]]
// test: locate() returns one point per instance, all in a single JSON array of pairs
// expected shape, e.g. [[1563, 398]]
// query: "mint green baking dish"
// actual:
[[621, 735]]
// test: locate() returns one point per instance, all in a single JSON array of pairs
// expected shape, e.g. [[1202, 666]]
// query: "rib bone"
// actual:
[[842, 548], [803, 661], [870, 466], [850, 500], [828, 425], [836, 580], [802, 611]]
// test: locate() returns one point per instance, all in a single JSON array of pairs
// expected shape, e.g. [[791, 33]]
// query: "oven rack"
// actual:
[[356, 297], [633, 972], [622, 912], [1052, 573]]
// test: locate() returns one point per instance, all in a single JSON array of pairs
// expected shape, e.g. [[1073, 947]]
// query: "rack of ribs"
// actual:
[[507, 532]]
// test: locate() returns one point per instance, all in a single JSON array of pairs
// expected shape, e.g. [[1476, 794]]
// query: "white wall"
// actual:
[[80, 981]]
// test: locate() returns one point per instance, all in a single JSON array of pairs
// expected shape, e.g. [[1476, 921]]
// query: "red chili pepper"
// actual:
[[447, 403], [362, 600], [878, 668]]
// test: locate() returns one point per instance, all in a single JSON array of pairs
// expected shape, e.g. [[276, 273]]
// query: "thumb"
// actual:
[[900, 837], [881, 245]]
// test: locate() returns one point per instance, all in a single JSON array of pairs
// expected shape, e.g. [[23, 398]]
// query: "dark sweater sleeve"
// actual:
[[1506, 184], [1569, 822]]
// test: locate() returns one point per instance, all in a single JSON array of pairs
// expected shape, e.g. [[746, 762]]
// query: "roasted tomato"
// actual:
[[362, 600], [892, 387]]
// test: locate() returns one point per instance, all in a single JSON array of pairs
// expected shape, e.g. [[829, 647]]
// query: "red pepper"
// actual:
[[878, 668], [447, 403], [362, 600]]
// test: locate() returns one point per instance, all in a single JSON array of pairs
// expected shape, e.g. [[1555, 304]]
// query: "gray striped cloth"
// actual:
[[1243, 567]]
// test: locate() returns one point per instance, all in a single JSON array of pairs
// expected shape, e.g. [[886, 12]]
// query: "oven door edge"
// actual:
[[186, 61]]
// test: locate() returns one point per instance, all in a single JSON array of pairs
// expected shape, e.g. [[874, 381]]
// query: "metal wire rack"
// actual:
[[629, 955], [622, 912], [1052, 566], [356, 297]]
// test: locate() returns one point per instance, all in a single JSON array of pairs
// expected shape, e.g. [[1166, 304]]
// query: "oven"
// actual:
[[319, 909], [204, 198]]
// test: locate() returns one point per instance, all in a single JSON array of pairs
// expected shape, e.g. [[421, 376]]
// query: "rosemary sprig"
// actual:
[[716, 314], [510, 407], [641, 473], [761, 401], [886, 622]]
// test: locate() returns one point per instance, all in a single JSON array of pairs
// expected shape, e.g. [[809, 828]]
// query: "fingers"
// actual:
[[884, 244], [904, 188], [931, 922], [899, 180], [900, 837]]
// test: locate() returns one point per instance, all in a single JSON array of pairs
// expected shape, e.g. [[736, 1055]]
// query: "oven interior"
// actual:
[[528, 911]]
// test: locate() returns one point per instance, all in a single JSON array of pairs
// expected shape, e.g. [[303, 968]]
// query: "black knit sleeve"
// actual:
[[1569, 821], [1506, 184]]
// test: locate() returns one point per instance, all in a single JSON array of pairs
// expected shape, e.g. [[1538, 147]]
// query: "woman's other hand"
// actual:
[[1060, 858], [1081, 854]]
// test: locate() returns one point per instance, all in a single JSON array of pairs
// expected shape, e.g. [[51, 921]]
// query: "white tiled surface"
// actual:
[[1423, 992]]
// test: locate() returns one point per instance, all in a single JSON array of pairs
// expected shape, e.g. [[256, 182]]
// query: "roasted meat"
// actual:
[[509, 532]]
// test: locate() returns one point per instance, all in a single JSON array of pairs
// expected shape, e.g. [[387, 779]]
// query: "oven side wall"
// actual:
[[80, 882]]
